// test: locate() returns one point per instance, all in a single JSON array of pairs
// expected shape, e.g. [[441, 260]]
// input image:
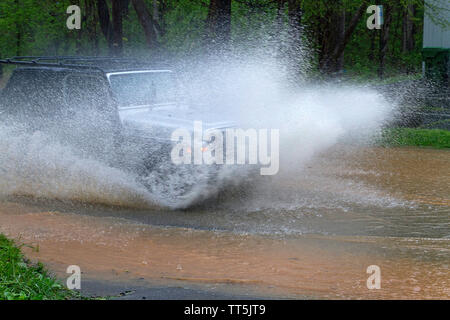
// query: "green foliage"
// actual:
[[21, 280], [31, 27], [184, 25], [416, 137]]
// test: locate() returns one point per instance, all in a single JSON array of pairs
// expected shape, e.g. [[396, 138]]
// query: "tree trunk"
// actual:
[[397, 24], [161, 18], [18, 39], [337, 36], [91, 25], [384, 38], [117, 9], [18, 32], [340, 30], [125, 5], [373, 36], [408, 29], [340, 47], [147, 22], [155, 10], [105, 23], [326, 36]]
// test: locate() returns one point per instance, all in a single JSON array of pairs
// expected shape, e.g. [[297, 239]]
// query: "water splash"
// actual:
[[255, 90], [35, 164]]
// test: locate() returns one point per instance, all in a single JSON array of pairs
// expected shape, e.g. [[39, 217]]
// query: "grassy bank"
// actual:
[[22, 280], [435, 138]]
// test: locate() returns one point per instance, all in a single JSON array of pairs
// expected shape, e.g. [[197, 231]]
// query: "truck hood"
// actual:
[[169, 117]]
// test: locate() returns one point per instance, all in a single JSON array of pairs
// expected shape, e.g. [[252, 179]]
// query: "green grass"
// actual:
[[22, 280], [435, 138]]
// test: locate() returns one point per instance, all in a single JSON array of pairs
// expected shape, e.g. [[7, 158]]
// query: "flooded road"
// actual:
[[306, 235]]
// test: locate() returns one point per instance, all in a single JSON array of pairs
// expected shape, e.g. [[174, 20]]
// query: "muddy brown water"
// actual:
[[311, 234]]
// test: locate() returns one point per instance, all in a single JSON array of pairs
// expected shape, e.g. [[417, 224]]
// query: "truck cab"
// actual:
[[117, 110]]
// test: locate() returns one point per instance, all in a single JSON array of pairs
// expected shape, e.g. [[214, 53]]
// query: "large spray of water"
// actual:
[[254, 89]]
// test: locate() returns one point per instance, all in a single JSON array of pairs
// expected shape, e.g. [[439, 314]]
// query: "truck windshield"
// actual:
[[143, 88]]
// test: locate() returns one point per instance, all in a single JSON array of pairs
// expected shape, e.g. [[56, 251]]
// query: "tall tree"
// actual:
[[117, 45], [91, 25], [113, 30], [336, 34], [408, 28], [147, 22], [384, 39], [105, 22], [340, 46], [19, 32]]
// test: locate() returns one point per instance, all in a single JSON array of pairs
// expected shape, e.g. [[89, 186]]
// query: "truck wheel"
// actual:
[[179, 185]]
